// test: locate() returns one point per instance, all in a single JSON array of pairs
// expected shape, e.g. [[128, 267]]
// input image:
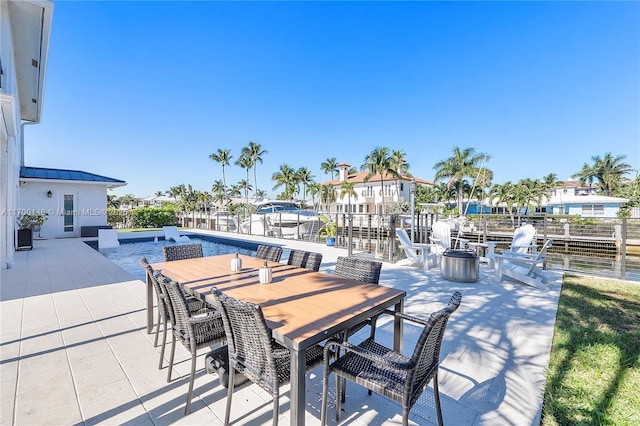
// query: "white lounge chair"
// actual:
[[522, 242], [108, 238], [523, 267], [440, 238], [416, 253], [171, 234]]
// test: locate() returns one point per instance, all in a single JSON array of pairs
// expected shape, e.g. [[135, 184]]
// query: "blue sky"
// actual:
[[146, 91]]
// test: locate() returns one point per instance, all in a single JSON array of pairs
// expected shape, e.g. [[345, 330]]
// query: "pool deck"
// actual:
[[74, 349]]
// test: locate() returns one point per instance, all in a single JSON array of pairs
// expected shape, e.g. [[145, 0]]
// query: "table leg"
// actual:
[[398, 328], [298, 386], [149, 304]]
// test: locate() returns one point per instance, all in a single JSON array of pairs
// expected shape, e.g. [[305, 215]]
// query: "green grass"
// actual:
[[594, 370]]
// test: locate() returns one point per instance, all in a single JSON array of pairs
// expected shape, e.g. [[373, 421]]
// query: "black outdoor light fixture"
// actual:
[[49, 194]]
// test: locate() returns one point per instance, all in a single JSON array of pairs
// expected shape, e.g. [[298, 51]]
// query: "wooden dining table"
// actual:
[[301, 307]]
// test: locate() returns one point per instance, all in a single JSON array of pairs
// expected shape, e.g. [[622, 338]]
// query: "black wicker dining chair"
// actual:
[[364, 270], [253, 352], [182, 251], [163, 307], [390, 373], [305, 259], [194, 331], [271, 253]]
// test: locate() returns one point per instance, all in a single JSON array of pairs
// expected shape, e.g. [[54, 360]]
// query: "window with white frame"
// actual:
[[592, 209]]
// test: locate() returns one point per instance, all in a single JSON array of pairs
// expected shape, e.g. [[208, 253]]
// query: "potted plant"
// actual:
[[328, 229], [26, 223]]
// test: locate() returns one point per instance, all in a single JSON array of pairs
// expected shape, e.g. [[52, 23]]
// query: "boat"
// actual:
[[282, 219]]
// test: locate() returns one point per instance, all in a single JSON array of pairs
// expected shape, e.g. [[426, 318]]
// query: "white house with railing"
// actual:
[[372, 193]]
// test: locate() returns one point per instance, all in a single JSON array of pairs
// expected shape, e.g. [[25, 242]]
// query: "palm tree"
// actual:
[[246, 186], [464, 163], [441, 193], [329, 166], [504, 193], [482, 182], [260, 194], [255, 154], [327, 195], [314, 189], [174, 192], [304, 177], [222, 156], [608, 171], [113, 202], [586, 175], [234, 191], [246, 163], [158, 194], [530, 193], [128, 199], [611, 172], [550, 182], [286, 177], [379, 161], [400, 165], [219, 194], [204, 198], [347, 188]]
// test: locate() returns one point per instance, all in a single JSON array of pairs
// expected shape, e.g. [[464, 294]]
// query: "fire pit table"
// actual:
[[460, 265]]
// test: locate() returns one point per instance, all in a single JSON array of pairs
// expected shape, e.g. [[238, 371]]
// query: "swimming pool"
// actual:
[[129, 253]]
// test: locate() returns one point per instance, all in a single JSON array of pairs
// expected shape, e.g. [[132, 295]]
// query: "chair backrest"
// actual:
[[367, 271], [271, 253], [441, 233], [305, 259], [182, 251], [176, 304], [403, 237], [522, 237], [170, 231], [426, 354], [160, 295], [249, 340]]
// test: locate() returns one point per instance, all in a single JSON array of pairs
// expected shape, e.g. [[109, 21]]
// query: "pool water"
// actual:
[[129, 253]]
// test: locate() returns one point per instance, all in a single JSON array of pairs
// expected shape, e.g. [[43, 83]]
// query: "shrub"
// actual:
[[149, 217]]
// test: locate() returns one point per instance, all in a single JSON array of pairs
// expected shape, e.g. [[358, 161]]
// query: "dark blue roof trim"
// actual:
[[61, 174]]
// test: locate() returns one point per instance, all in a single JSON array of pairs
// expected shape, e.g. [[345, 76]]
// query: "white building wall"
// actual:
[[610, 210], [90, 205], [10, 151]]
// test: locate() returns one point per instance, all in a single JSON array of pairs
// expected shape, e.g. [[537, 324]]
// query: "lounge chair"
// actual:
[[416, 253], [440, 239], [171, 234], [522, 242], [108, 238], [523, 267]]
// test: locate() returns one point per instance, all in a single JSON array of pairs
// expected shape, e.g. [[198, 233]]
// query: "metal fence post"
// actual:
[[350, 234], [623, 251]]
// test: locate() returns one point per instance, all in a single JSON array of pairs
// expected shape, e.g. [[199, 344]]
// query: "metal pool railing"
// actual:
[[607, 247]]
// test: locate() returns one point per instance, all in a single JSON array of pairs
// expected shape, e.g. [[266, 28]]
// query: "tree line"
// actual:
[[464, 174]]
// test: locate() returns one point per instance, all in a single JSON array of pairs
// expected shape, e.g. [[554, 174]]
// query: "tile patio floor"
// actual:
[[74, 350]]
